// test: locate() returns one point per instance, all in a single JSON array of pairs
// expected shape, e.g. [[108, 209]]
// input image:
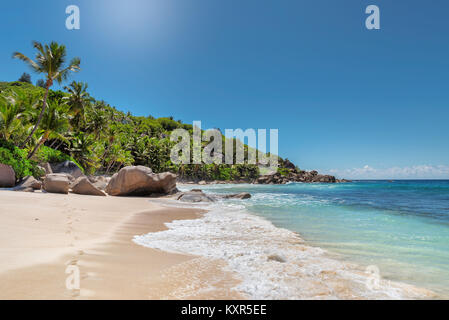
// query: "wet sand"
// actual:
[[44, 235]]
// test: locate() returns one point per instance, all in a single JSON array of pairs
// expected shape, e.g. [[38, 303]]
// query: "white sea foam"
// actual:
[[271, 262]]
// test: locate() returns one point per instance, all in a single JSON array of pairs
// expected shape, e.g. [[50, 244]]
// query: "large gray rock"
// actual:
[[29, 184], [141, 181], [194, 196], [69, 176], [7, 176], [56, 183], [68, 167], [264, 179], [100, 182], [82, 185], [324, 178], [47, 168], [294, 175]]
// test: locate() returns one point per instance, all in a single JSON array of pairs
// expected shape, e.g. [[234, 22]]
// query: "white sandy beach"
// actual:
[[40, 234]]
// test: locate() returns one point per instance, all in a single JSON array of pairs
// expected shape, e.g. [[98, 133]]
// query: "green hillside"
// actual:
[[39, 125], [97, 136]]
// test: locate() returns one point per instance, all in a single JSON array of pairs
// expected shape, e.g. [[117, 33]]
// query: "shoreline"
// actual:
[[278, 263], [99, 235]]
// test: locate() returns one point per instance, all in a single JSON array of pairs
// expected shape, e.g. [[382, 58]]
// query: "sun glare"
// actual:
[[136, 18]]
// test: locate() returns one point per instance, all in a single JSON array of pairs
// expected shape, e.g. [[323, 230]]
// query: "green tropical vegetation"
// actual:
[[38, 125]]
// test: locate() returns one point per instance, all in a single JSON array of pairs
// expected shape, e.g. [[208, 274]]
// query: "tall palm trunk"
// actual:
[[111, 165], [41, 115], [41, 142], [53, 143], [59, 145]]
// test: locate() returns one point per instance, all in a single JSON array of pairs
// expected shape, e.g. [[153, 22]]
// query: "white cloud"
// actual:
[[413, 172]]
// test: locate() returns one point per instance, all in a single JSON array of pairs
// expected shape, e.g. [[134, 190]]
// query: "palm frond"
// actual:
[[31, 63]]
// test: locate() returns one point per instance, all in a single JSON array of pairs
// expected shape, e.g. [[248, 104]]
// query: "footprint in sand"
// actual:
[[72, 262], [71, 214]]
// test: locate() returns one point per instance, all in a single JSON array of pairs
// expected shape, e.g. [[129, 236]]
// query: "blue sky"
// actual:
[[346, 100]]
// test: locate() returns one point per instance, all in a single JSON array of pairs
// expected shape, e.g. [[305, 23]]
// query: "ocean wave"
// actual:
[[271, 262]]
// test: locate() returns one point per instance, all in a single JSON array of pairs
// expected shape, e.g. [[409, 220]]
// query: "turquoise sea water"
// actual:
[[402, 227]]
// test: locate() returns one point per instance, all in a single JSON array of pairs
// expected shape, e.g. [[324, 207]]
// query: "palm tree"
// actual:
[[54, 123], [10, 114], [81, 147], [78, 100], [97, 121], [111, 133], [15, 110], [27, 101], [139, 149], [117, 157], [50, 60]]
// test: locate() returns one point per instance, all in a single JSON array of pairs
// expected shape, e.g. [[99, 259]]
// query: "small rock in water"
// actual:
[[275, 257], [243, 195], [195, 196]]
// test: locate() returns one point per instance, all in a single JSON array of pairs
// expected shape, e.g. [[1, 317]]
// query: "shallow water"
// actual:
[[401, 227]]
